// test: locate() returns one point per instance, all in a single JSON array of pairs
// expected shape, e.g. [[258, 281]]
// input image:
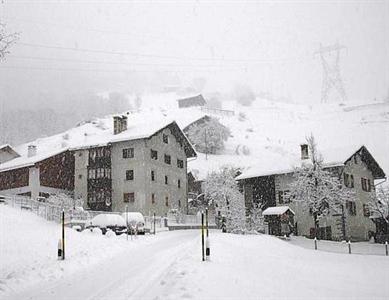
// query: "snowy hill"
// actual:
[[265, 135]]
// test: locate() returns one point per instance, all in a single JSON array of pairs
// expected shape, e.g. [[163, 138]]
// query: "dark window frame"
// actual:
[[130, 175], [152, 175], [129, 197], [168, 159], [165, 138], [153, 154], [128, 153]]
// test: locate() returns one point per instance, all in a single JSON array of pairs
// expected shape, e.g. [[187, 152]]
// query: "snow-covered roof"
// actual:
[[99, 132], [333, 157], [276, 210], [8, 147]]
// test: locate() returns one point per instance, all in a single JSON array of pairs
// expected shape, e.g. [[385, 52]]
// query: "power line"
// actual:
[[106, 71], [89, 29], [152, 55]]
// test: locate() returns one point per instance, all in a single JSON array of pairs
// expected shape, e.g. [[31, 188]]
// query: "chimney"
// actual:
[[124, 123], [31, 151], [304, 151], [116, 125], [119, 124]]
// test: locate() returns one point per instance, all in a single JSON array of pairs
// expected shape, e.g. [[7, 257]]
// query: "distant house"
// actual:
[[357, 171], [7, 153], [191, 101], [110, 165]]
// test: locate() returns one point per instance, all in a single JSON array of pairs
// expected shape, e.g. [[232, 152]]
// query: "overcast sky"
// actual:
[[126, 45]]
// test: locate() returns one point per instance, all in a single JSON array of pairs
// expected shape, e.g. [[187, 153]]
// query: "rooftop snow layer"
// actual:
[[276, 210], [98, 132]]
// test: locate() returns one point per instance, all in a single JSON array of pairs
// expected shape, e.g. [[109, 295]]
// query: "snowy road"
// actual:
[[168, 266], [131, 275]]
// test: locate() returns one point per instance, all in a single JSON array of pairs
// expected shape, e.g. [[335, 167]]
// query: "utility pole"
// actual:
[[332, 79]]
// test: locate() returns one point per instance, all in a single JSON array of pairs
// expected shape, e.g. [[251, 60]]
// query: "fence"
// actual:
[[52, 212]]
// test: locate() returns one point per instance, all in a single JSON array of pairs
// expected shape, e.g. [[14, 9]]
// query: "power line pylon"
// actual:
[[330, 56]]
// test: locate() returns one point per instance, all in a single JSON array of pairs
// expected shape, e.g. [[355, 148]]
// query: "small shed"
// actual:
[[280, 220], [191, 101]]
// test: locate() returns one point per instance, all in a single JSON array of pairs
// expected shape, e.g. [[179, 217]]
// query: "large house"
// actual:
[[357, 170], [110, 163]]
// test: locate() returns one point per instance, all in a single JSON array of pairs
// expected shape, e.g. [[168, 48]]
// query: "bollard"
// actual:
[[386, 248], [63, 234], [315, 243], [202, 236], [349, 247], [207, 248], [60, 250], [154, 222]]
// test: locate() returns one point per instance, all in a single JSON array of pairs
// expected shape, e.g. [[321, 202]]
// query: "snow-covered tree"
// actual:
[[6, 40], [65, 202], [222, 190], [208, 136], [379, 203], [255, 219], [319, 190]]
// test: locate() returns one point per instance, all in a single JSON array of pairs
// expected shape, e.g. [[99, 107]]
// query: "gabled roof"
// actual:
[[199, 99], [276, 210], [335, 157], [8, 148], [97, 133], [369, 160]]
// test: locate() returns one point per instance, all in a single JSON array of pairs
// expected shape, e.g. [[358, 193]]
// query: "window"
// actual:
[[91, 173], [166, 180], [165, 138], [130, 175], [366, 211], [129, 197], [366, 184], [351, 180], [79, 176], [179, 203], [179, 183], [180, 163], [80, 153], [283, 196], [167, 200], [348, 180], [168, 159], [128, 153], [154, 154], [351, 208], [152, 176], [152, 198]]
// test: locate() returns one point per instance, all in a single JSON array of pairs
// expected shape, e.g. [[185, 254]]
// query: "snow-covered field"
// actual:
[[169, 266]]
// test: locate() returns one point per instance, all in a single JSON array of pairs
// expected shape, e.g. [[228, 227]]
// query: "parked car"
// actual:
[[136, 222], [116, 223]]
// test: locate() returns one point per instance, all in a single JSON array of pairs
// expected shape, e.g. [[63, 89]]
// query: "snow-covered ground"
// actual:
[[169, 266]]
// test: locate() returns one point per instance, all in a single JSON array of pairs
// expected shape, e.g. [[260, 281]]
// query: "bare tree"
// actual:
[[6, 40]]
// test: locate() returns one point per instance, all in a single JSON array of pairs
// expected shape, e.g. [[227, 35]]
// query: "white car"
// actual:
[[108, 221], [136, 222]]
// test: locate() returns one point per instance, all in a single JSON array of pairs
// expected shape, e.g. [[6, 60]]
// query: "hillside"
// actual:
[[264, 136]]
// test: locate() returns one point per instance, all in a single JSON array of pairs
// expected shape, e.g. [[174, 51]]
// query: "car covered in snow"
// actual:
[[136, 222], [114, 222]]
